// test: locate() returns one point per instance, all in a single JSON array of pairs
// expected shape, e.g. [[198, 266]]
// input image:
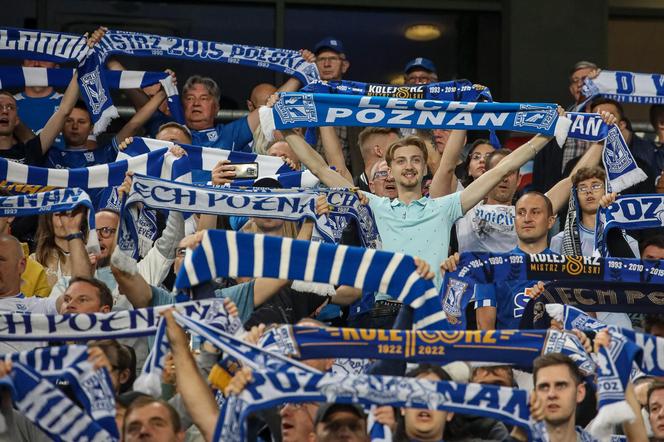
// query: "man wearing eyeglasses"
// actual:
[[17, 142]]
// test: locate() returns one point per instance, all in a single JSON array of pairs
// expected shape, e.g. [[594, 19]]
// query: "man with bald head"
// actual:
[[259, 95]]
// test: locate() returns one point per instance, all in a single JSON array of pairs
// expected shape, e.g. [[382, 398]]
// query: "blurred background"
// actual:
[[521, 49]]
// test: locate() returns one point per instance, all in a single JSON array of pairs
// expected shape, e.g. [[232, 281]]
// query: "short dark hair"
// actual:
[[81, 105], [9, 94], [174, 125], [412, 140], [651, 321], [654, 240], [603, 100], [105, 296], [552, 359], [369, 131], [586, 173], [656, 115], [547, 201], [657, 385], [427, 368], [498, 152], [144, 401]]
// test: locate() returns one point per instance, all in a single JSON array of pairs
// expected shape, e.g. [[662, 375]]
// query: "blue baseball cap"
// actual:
[[331, 43], [420, 63]]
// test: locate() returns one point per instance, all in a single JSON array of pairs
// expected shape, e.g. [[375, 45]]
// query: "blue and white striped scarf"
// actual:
[[57, 200], [299, 109], [12, 77], [288, 61], [33, 381], [58, 47], [277, 379], [621, 168], [628, 212], [652, 359], [206, 158], [269, 389], [226, 253], [38, 327], [160, 163], [291, 205], [626, 87]]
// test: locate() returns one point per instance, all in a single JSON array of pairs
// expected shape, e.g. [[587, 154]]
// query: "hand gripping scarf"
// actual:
[[20, 77], [628, 212], [34, 382], [291, 205], [626, 87], [148, 45], [226, 253], [58, 200], [160, 163], [61, 48], [312, 110], [205, 158], [515, 347]]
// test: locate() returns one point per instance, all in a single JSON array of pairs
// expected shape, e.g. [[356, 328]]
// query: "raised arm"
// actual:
[[315, 162], [195, 392], [141, 117], [444, 180], [333, 151], [559, 193], [54, 124], [478, 189]]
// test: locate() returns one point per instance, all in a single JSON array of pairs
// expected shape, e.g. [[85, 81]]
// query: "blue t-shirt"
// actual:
[[35, 112], [234, 136], [509, 298], [74, 158]]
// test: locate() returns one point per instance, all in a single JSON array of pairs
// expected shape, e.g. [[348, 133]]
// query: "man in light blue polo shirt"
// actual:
[[413, 224]]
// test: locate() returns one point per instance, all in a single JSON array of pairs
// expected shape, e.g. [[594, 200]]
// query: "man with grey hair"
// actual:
[[200, 98]]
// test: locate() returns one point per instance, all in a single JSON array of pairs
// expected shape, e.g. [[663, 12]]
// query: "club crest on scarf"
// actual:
[[538, 119], [94, 89], [452, 301], [297, 107]]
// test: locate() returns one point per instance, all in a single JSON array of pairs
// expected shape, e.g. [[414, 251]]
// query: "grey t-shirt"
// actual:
[[487, 228]]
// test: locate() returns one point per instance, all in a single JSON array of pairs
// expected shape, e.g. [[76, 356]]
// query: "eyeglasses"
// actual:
[[591, 189], [478, 156], [331, 59], [106, 232], [380, 175], [7, 107], [180, 252]]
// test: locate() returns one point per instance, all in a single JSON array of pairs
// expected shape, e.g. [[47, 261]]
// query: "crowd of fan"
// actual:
[[433, 193]]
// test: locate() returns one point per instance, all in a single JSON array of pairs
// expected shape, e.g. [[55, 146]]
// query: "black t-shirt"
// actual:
[[29, 153]]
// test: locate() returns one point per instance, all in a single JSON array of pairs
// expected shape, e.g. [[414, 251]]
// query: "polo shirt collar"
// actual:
[[397, 202]]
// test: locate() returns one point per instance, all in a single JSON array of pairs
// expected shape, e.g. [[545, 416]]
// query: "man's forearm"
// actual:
[[56, 122], [79, 259], [315, 162], [486, 318], [441, 184], [479, 188]]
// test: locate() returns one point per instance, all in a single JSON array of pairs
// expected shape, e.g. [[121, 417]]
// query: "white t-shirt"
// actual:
[[487, 228], [21, 304]]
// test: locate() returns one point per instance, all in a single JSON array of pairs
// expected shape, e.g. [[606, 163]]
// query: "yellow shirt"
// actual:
[[33, 279]]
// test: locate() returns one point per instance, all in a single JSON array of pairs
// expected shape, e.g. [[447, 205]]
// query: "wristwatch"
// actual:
[[77, 235]]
